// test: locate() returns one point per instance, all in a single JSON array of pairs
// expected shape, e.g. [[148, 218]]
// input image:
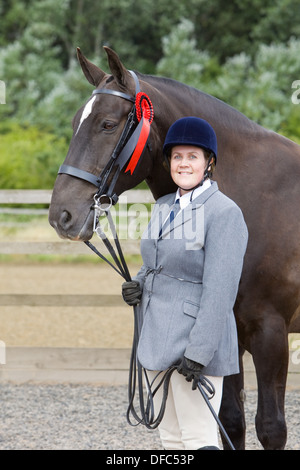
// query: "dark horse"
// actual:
[[257, 168]]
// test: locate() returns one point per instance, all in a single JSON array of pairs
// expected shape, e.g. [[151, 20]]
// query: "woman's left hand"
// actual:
[[191, 370]]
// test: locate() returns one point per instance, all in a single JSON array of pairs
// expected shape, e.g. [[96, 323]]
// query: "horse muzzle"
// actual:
[[67, 226]]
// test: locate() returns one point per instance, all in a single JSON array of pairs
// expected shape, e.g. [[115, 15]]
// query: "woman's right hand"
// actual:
[[131, 292]]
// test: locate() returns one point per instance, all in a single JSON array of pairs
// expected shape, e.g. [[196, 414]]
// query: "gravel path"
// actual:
[[88, 417]]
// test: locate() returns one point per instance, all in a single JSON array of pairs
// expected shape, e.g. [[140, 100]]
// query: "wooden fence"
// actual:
[[13, 198], [60, 364], [95, 365]]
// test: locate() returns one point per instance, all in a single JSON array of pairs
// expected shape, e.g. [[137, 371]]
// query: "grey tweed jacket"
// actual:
[[190, 278]]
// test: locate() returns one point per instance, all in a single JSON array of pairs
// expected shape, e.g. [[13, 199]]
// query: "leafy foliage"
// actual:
[[29, 157], [259, 87], [245, 53]]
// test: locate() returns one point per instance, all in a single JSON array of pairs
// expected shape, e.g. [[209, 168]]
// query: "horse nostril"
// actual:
[[65, 219]]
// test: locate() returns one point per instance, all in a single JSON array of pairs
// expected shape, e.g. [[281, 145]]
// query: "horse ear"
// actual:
[[117, 69], [93, 74]]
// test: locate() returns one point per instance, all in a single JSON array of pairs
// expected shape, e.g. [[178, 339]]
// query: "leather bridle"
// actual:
[[130, 146]]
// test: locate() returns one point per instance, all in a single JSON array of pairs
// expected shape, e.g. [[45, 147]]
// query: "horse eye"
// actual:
[[109, 126]]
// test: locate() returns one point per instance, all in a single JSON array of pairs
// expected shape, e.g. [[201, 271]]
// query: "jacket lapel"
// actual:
[[198, 201], [161, 213], [186, 214]]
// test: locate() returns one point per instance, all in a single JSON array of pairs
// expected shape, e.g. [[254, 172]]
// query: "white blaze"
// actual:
[[86, 112]]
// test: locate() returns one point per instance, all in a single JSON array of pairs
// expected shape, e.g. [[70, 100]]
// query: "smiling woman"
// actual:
[[191, 153], [188, 166], [186, 292]]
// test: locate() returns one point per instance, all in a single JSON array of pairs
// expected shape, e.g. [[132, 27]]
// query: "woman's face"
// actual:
[[187, 164]]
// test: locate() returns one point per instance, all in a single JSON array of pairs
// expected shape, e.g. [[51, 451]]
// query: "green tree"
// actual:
[[279, 21], [240, 52], [183, 61], [13, 20], [225, 29], [29, 65], [29, 157], [56, 109], [259, 87]]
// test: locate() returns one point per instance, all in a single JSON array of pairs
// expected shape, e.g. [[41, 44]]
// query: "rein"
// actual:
[[137, 374]]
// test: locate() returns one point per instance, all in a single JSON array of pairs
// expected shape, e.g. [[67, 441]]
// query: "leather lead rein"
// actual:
[[137, 373]]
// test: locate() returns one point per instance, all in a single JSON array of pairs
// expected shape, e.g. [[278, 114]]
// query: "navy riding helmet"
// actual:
[[191, 131]]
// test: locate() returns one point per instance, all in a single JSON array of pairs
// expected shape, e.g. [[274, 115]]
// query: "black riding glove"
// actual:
[[191, 370], [131, 292]]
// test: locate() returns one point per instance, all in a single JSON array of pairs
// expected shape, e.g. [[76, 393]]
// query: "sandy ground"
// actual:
[[34, 309], [59, 325]]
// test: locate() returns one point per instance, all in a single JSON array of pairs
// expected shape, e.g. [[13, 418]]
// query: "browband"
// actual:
[[119, 93], [114, 92]]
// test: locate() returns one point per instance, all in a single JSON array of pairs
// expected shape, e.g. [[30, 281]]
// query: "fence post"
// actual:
[[2, 352], [2, 93]]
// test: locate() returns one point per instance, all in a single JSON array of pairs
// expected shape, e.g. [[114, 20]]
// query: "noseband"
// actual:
[[131, 144]]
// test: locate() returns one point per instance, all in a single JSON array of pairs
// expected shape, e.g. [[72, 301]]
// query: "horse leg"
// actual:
[[232, 408], [269, 349]]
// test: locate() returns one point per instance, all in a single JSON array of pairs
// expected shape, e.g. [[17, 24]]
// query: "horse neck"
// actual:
[[174, 100], [171, 101], [249, 156]]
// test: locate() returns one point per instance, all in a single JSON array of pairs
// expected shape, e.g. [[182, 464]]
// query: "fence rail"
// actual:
[[36, 364], [25, 196], [77, 364], [41, 196], [57, 247]]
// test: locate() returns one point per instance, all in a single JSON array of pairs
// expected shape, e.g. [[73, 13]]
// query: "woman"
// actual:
[[187, 286]]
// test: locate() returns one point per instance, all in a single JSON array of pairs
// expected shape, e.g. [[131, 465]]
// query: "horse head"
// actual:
[[106, 132]]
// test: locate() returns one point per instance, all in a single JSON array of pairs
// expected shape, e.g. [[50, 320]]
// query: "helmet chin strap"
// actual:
[[205, 177]]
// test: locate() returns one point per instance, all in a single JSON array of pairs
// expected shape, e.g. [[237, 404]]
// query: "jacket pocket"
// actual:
[[191, 309]]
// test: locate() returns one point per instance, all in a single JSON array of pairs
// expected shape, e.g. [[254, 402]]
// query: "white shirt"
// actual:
[[185, 200]]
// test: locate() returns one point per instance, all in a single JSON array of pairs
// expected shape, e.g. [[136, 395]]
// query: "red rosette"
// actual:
[[144, 107]]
